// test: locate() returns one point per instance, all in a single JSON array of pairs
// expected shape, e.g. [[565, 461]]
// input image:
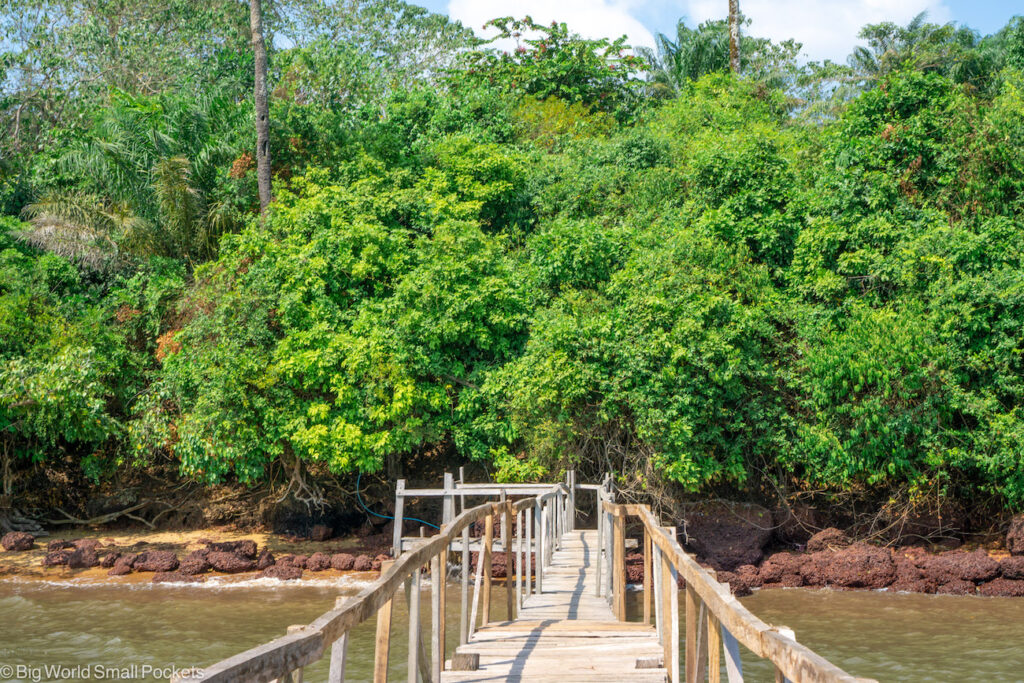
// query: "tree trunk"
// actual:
[[262, 109], [734, 36]]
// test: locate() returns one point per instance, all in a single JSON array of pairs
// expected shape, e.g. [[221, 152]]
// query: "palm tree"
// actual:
[[147, 182]]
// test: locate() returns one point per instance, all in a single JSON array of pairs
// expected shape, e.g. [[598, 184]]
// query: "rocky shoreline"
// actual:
[[737, 549], [186, 562]]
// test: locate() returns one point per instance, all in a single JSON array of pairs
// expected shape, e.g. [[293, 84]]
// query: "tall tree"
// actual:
[[262, 109], [734, 36]]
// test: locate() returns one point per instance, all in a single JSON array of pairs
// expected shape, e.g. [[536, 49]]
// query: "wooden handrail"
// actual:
[[792, 660], [304, 645]]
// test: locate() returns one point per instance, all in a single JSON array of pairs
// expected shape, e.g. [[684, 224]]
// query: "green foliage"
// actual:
[[795, 279], [551, 61]]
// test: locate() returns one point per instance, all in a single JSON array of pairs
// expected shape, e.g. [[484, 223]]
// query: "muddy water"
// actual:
[[880, 635]]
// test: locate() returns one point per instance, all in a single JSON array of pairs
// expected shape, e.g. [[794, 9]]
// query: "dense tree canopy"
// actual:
[[801, 278]]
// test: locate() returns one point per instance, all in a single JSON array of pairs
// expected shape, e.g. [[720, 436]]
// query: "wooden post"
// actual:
[[413, 594], [714, 649], [600, 545], [296, 676], [476, 592], [542, 539], [485, 560], [339, 650], [733, 665], [464, 590], [572, 500], [647, 576], [529, 551], [448, 505], [383, 642], [659, 601], [443, 599], [464, 579], [396, 549], [609, 553], [436, 619], [692, 607], [619, 564], [506, 522], [519, 561], [672, 622]]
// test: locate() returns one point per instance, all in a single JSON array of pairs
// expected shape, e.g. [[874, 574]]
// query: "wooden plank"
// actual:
[[339, 651], [692, 607]]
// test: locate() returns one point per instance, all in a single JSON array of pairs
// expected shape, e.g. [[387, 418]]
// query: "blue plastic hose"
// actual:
[[359, 497]]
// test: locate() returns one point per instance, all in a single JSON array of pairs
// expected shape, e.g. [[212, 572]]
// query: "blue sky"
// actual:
[[827, 28]]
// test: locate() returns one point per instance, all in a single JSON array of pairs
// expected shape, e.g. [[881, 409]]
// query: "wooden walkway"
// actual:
[[567, 633]]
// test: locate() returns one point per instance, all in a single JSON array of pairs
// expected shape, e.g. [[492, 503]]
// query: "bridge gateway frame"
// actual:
[[543, 516]]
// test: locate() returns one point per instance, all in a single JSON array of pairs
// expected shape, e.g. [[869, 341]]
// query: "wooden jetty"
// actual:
[[570, 622]]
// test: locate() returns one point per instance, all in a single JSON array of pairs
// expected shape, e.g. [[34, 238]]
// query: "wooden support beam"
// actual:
[[339, 650], [396, 549], [297, 675], [647, 577], [692, 611], [529, 551], [509, 556], [485, 561], [382, 644], [619, 564], [714, 650], [436, 620], [413, 595]]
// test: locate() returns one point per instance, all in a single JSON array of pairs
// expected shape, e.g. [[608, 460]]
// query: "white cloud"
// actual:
[[827, 28], [589, 18]]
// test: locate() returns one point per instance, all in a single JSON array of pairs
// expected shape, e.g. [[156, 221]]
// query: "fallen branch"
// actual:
[[102, 519]]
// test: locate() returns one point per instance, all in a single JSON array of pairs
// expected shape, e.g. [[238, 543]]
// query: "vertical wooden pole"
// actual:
[[537, 552], [448, 505], [600, 545], [620, 565], [339, 650], [476, 592], [714, 650], [692, 607], [295, 676], [572, 500], [506, 522], [413, 594], [464, 579], [436, 619], [383, 642], [464, 590], [443, 599], [609, 553], [396, 550], [529, 551], [485, 560], [672, 622], [647, 577], [659, 601], [519, 562], [733, 664]]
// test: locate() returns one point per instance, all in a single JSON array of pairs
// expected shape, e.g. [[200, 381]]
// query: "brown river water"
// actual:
[[109, 631]]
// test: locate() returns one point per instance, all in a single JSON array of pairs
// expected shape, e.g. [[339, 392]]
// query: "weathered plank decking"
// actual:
[[567, 633]]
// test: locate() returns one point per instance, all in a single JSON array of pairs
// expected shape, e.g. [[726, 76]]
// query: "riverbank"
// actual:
[[135, 556]]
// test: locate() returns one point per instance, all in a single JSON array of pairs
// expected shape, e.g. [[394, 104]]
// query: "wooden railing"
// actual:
[[715, 619], [540, 522]]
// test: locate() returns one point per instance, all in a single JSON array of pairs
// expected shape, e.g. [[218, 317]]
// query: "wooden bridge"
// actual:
[[570, 619]]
